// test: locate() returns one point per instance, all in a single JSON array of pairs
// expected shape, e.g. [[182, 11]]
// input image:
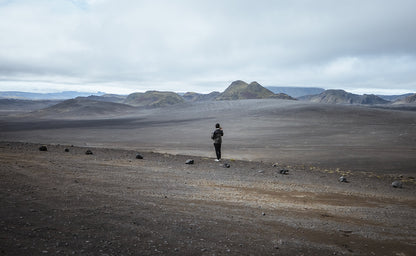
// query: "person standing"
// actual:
[[217, 138]]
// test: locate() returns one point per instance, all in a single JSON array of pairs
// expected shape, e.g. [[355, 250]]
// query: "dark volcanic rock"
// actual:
[[189, 161], [342, 179], [226, 165], [43, 148], [397, 184], [284, 172], [138, 156], [88, 152]]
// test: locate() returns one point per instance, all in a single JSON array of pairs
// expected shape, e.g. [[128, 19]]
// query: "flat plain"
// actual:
[[58, 202]]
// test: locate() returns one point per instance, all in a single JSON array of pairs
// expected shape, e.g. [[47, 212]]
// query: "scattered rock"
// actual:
[[260, 171], [342, 179], [284, 172], [88, 152], [43, 148], [397, 184], [226, 165], [138, 156], [67, 150], [189, 161], [264, 214], [275, 165]]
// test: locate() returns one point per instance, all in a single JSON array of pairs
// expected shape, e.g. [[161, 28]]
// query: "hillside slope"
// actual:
[[239, 90], [82, 107], [193, 96], [153, 99], [411, 99], [343, 97]]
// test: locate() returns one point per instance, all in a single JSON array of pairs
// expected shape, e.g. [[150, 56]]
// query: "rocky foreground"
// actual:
[[66, 202]]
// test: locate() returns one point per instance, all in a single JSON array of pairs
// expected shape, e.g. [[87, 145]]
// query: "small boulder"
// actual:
[[67, 150], [43, 148], [189, 161], [397, 184], [226, 165], [138, 156], [342, 179], [88, 152], [284, 172]]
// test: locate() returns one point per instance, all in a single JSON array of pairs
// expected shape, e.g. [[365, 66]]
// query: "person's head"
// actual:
[[217, 125]]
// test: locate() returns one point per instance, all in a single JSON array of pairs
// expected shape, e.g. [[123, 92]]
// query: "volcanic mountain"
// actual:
[[411, 99], [193, 96], [343, 97], [241, 90], [153, 99]]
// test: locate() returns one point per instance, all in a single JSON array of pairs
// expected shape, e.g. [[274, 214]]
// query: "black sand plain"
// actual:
[[58, 202]]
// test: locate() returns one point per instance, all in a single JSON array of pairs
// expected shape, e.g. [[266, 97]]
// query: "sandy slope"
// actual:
[[110, 203]]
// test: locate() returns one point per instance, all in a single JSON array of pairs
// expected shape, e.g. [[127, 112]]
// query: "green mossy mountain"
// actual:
[[153, 99], [193, 96], [239, 90]]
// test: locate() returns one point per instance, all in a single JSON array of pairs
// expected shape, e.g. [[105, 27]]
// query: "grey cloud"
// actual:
[[327, 43]]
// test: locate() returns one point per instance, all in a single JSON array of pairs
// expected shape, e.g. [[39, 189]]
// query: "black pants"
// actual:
[[218, 150]]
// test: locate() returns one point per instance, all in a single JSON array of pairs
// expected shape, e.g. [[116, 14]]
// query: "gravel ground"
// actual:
[[110, 203]]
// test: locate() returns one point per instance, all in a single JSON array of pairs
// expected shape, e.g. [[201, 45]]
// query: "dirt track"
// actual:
[[110, 203]]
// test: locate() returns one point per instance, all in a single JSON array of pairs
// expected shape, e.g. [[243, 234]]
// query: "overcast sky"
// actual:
[[124, 46]]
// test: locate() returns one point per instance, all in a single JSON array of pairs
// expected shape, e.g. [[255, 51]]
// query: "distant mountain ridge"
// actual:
[[296, 92], [411, 99], [395, 97], [108, 98], [237, 90], [46, 96], [343, 97], [25, 105]]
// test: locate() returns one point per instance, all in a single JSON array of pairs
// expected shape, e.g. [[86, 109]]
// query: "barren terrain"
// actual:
[[110, 203]]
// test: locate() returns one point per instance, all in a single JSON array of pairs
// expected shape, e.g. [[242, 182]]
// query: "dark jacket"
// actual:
[[216, 136]]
